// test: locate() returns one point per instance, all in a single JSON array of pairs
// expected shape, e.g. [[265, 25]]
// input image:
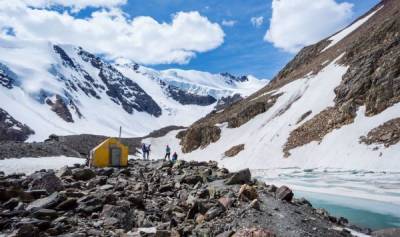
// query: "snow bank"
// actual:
[[30, 165]]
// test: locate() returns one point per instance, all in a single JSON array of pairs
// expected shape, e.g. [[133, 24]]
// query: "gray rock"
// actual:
[[240, 177], [118, 216], [47, 181], [284, 193], [47, 202], [83, 174]]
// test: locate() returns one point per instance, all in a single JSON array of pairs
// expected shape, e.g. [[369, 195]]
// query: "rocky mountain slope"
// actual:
[[336, 104], [156, 198], [47, 88]]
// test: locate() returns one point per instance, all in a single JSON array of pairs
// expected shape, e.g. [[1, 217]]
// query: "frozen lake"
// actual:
[[367, 199]]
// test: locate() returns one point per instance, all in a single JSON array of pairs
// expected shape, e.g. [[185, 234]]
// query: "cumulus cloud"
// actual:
[[229, 23], [257, 21], [75, 4], [113, 33], [295, 24]]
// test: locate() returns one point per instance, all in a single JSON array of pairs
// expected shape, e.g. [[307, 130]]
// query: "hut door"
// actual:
[[115, 157]]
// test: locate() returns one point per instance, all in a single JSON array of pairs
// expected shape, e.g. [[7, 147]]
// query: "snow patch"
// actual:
[[30, 165]]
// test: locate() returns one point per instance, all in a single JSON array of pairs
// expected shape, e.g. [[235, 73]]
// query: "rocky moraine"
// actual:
[[156, 198]]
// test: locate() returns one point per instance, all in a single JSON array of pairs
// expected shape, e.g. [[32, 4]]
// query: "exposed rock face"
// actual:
[[121, 89], [224, 102], [198, 137], [316, 128], [146, 200], [60, 108], [7, 77], [234, 150], [387, 134], [187, 98], [11, 129]]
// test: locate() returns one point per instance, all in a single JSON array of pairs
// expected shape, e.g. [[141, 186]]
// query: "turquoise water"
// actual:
[[366, 198], [367, 214]]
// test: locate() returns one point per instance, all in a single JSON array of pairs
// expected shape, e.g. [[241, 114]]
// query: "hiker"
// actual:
[[167, 153], [144, 151], [148, 151], [174, 157]]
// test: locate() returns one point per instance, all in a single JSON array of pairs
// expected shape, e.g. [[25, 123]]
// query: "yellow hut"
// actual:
[[111, 152]]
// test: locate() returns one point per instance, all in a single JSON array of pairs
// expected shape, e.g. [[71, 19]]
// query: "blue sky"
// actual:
[[244, 51], [187, 34]]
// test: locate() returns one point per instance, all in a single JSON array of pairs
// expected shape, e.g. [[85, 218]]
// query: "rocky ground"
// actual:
[[156, 198]]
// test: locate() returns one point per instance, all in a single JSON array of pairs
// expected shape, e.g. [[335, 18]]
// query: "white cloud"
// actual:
[[229, 23], [112, 33], [257, 21], [295, 24]]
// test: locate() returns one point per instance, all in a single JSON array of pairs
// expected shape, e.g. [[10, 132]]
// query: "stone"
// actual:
[[27, 230], [272, 188], [191, 179], [214, 212], [47, 202], [47, 214], [284, 193], [254, 232], [118, 216], [64, 171], [248, 193], [240, 177], [226, 202], [255, 204], [47, 181], [69, 204], [83, 174], [11, 204]]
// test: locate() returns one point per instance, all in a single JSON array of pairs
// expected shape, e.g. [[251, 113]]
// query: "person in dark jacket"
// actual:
[[144, 151], [167, 153], [174, 157]]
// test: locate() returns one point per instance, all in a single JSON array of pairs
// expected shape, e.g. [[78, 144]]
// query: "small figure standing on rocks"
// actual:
[[148, 151], [167, 153], [174, 157], [144, 151]]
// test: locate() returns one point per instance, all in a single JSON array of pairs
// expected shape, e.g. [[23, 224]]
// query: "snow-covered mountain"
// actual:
[[47, 88], [336, 104]]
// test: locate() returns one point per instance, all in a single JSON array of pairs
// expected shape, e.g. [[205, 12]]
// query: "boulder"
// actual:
[[47, 202], [226, 202], [284, 193], [191, 179], [64, 171], [240, 177], [68, 204], [214, 212], [247, 192], [47, 181], [27, 230], [83, 174], [254, 232], [117, 216], [46, 214]]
